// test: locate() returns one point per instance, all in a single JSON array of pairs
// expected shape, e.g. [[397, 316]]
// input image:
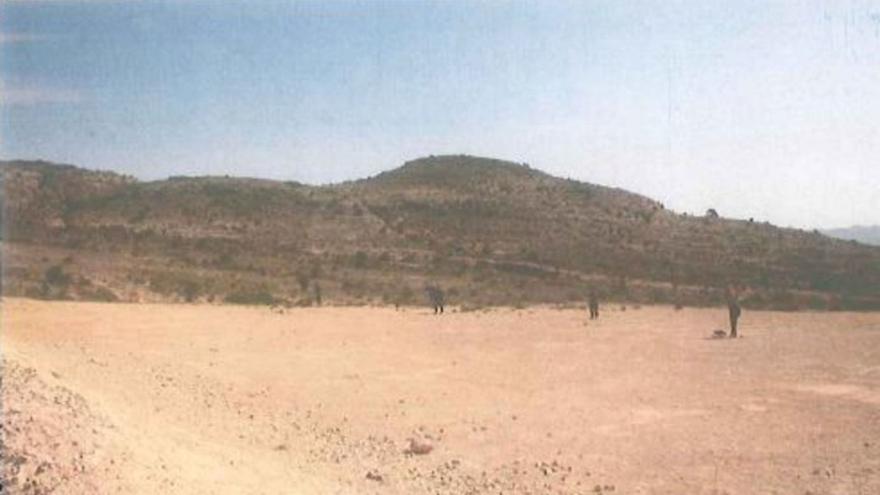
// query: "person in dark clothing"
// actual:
[[734, 309], [435, 296], [593, 303], [317, 289]]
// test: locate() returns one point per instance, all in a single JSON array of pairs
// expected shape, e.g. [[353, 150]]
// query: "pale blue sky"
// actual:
[[759, 109]]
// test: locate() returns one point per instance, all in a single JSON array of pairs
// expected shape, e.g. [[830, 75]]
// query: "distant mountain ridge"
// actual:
[[489, 231], [867, 234]]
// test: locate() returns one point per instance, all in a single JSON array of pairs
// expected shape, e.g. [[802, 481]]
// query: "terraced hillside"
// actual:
[[490, 232]]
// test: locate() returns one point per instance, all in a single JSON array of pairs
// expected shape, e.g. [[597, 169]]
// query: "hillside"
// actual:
[[490, 232], [866, 234]]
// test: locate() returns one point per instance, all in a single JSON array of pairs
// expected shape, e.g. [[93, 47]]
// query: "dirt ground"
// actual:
[[174, 399]]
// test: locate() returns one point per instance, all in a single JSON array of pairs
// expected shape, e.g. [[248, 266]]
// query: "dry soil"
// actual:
[[184, 399]]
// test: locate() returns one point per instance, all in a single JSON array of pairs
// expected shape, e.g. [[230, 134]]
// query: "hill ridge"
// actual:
[[491, 231], [866, 234]]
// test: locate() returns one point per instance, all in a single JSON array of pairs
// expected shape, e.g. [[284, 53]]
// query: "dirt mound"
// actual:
[[50, 440]]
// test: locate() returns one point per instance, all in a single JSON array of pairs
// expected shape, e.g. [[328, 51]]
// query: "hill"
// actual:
[[489, 231], [866, 234]]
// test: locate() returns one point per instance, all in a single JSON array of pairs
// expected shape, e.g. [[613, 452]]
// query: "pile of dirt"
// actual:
[[50, 440]]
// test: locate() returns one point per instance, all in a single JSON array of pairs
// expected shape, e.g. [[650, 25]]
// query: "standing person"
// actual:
[[435, 295], [593, 302], [317, 289], [734, 309]]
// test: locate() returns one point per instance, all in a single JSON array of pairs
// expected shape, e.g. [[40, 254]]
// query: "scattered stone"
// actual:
[[418, 447]]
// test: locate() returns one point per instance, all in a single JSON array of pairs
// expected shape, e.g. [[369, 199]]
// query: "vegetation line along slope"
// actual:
[[490, 232]]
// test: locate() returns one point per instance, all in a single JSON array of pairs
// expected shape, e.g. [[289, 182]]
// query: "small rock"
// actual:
[[417, 447]]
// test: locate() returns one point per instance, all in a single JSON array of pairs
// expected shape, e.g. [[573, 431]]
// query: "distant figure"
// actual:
[[734, 309], [435, 296], [317, 289], [593, 303]]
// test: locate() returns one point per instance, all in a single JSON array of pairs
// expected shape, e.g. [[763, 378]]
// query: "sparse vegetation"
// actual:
[[504, 233], [181, 285], [253, 298], [56, 277]]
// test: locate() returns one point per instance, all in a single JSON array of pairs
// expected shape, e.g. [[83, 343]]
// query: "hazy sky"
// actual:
[[759, 109]]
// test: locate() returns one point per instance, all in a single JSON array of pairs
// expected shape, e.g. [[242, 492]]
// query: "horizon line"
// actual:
[[521, 164]]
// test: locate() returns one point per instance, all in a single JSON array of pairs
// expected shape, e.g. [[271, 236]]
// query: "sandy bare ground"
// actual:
[[173, 399]]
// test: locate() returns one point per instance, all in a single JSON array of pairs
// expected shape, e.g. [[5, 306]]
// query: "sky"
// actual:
[[759, 109]]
